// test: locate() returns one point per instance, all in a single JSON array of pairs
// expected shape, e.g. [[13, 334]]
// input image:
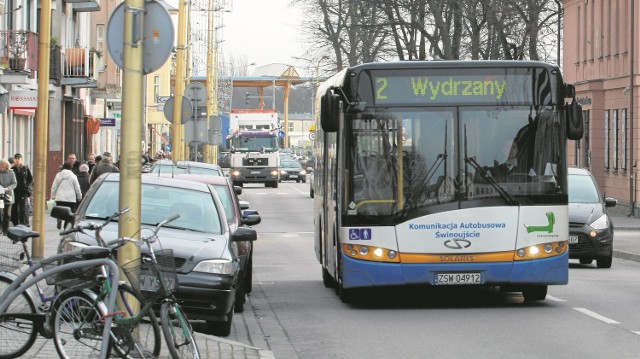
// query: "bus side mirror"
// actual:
[[575, 122], [330, 111]]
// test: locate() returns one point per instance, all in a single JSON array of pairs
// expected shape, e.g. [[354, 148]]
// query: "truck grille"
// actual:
[[255, 161]]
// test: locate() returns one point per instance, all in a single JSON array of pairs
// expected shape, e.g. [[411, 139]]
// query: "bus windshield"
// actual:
[[412, 161]]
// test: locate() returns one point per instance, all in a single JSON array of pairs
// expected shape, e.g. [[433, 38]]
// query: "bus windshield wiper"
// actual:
[[508, 197]]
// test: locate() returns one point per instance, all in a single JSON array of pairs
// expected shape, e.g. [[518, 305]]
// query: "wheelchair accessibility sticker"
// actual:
[[363, 234]]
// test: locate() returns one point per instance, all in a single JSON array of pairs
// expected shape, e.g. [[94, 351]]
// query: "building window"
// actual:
[[291, 126], [100, 45], [606, 139], [156, 88], [616, 131], [623, 139]]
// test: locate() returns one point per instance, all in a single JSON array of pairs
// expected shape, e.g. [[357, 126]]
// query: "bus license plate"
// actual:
[[573, 239], [458, 278]]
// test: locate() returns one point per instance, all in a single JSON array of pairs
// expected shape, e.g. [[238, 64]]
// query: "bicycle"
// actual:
[[11, 259], [20, 320], [132, 340], [152, 281]]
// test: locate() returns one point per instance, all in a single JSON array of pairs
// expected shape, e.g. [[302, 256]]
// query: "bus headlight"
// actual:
[[235, 173], [543, 250], [368, 253]]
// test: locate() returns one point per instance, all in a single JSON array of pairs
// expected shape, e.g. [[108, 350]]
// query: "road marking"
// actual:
[[596, 316], [555, 299], [297, 190], [636, 333]]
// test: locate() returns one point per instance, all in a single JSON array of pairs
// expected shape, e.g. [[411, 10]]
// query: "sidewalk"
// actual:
[[624, 247], [210, 346]]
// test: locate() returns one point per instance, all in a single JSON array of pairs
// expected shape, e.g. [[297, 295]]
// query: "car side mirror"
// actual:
[[243, 204], [244, 234], [251, 219], [237, 190], [610, 202]]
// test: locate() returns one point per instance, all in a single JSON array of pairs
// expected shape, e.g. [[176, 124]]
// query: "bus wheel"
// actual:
[[534, 293], [327, 279], [346, 295]]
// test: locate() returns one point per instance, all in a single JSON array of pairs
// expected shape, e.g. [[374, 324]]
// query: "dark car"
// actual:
[[237, 216], [224, 159], [590, 227], [291, 170], [205, 249]]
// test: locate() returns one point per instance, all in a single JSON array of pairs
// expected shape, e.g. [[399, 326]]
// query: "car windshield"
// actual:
[[202, 171], [197, 209], [290, 164], [582, 189], [227, 201]]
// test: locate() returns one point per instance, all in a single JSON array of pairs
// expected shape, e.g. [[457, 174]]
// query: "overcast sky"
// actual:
[[266, 31]]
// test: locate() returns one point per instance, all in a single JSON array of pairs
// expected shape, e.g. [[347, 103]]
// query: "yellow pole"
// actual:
[[131, 144], [287, 90], [178, 128], [41, 135], [212, 81]]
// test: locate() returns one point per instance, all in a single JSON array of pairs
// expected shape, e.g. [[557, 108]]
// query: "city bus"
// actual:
[[444, 173]]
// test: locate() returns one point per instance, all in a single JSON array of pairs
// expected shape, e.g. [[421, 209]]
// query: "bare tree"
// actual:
[[357, 31]]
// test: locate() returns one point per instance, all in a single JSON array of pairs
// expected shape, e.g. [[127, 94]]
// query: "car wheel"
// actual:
[[297, 181], [311, 192], [240, 299], [274, 184], [327, 279], [304, 181], [535, 293], [221, 329], [604, 262], [586, 260], [248, 276]]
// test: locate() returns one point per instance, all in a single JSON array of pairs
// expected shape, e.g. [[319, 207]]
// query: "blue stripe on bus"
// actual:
[[358, 273]]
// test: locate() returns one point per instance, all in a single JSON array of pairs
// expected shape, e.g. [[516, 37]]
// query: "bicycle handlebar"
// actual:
[[93, 226]]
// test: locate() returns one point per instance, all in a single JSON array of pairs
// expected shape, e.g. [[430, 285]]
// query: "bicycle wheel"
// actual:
[[178, 332], [147, 334], [76, 325], [16, 335]]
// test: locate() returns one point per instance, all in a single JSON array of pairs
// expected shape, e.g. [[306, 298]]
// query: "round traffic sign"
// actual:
[[312, 136], [157, 36]]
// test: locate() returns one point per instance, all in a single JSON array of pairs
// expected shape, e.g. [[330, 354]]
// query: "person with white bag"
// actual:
[[65, 189]]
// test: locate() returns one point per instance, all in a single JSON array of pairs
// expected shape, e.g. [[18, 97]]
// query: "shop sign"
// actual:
[[23, 99]]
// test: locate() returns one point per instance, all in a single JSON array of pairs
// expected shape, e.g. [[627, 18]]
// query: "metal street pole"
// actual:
[[132, 115], [178, 128], [41, 134], [211, 151]]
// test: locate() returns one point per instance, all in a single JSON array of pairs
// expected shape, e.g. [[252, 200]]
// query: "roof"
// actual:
[[282, 71]]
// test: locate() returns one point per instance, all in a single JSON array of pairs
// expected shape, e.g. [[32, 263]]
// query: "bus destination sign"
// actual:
[[453, 89]]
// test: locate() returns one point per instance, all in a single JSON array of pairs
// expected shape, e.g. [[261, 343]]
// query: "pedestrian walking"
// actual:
[[104, 166], [91, 162], [83, 179], [7, 184], [73, 161], [22, 193], [65, 189]]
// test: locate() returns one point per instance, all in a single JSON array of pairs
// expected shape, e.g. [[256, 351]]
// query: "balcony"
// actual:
[[78, 69], [84, 5], [19, 51]]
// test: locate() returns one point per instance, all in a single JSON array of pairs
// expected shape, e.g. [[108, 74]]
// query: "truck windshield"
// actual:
[[254, 144]]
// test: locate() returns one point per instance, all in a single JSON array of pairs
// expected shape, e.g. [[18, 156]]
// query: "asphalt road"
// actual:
[[594, 316]]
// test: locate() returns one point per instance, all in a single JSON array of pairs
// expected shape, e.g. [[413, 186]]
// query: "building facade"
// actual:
[[600, 47]]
